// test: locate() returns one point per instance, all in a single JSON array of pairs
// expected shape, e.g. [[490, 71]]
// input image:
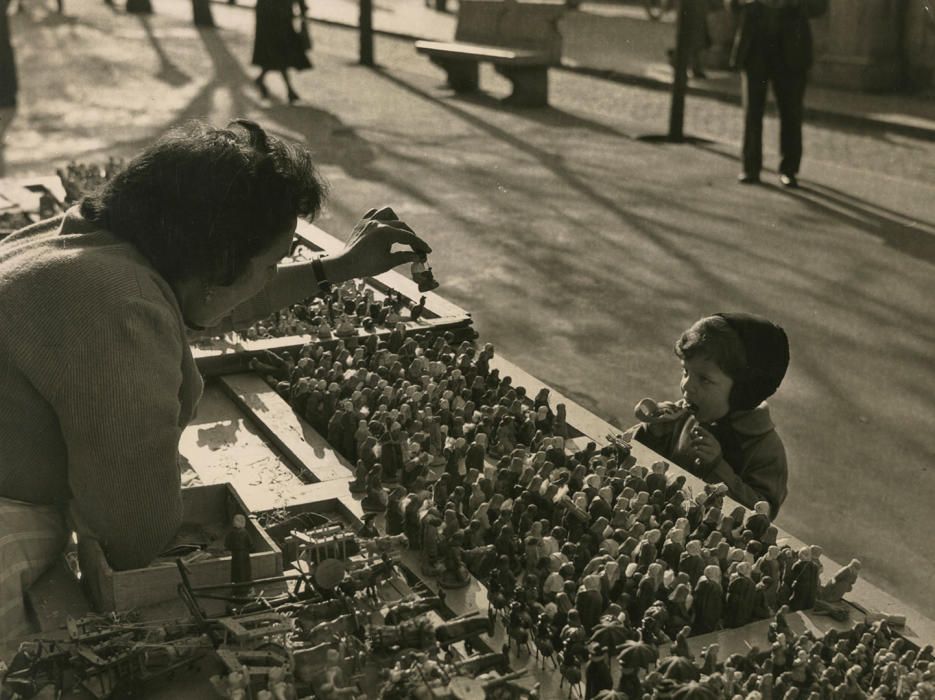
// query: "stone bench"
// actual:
[[520, 39]]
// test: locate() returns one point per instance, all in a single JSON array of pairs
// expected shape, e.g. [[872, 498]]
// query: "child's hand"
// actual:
[[705, 446]]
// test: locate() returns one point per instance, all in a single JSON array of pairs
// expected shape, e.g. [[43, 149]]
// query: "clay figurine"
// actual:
[[741, 597], [368, 530], [708, 601], [422, 275], [238, 542], [359, 484], [804, 587], [650, 411], [841, 583], [415, 313], [376, 496]]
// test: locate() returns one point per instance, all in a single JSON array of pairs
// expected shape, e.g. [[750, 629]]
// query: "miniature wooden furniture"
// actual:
[[520, 39]]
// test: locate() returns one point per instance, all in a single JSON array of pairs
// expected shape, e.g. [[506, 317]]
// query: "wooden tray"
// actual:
[[214, 504]]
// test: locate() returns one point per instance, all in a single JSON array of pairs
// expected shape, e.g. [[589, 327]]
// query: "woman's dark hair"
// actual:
[[712, 338], [202, 202]]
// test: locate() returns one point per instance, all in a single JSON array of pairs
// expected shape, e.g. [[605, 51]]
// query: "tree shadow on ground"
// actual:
[[332, 141], [901, 233], [913, 238], [168, 73], [546, 116]]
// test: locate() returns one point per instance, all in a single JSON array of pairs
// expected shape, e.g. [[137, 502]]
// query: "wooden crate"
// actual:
[[219, 357], [215, 504]]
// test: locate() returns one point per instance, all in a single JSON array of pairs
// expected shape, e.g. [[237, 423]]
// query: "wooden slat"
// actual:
[[221, 445], [297, 440], [484, 52], [222, 357]]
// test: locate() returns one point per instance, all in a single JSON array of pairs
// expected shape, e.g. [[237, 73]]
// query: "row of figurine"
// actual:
[[400, 410], [345, 309]]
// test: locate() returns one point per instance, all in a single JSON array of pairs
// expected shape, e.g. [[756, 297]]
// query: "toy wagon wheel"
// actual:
[[329, 573]]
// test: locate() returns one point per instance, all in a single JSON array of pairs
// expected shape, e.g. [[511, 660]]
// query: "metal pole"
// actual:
[[680, 79], [366, 32]]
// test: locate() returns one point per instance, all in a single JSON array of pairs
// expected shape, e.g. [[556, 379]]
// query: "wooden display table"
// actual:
[[246, 434]]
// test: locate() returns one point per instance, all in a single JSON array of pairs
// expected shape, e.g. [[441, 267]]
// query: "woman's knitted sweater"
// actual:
[[97, 382]]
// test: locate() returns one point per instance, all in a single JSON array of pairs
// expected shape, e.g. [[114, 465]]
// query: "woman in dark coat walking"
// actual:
[[277, 45]]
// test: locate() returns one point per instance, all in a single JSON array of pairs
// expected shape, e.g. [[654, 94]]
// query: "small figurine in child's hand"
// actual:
[[422, 274], [238, 542], [650, 411]]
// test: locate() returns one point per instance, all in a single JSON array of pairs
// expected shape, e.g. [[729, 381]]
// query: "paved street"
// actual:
[[581, 250]]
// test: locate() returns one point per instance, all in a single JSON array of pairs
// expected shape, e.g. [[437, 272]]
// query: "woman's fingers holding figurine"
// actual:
[[370, 248]]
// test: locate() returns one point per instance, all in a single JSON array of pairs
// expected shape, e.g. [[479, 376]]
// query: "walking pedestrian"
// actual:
[[773, 44], [278, 45]]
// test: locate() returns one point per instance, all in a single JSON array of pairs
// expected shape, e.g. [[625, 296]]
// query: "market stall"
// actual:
[[319, 558]]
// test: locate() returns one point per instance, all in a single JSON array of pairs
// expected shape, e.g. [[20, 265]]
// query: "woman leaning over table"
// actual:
[[96, 376]]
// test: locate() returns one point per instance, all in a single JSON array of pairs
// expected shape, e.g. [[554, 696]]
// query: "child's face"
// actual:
[[706, 388]]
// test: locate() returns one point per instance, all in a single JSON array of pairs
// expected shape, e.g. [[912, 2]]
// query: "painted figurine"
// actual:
[[238, 542]]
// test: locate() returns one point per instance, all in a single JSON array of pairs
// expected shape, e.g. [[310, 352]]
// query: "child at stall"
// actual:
[[721, 430]]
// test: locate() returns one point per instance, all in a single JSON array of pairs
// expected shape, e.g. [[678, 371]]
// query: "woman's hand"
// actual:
[[369, 250]]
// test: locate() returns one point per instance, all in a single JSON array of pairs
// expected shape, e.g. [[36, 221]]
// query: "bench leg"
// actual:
[[462, 75], [530, 84]]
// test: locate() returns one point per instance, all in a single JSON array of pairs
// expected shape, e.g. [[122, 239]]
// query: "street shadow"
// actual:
[[899, 232], [7, 114], [168, 73], [55, 19], [910, 238], [546, 116], [330, 140]]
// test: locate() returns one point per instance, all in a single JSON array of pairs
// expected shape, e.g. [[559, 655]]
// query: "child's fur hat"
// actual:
[[767, 350]]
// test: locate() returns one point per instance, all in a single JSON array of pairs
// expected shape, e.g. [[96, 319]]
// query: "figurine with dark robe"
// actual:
[[369, 529], [238, 542], [395, 518], [805, 583], [456, 574], [741, 597], [708, 601], [597, 674], [359, 484], [376, 496]]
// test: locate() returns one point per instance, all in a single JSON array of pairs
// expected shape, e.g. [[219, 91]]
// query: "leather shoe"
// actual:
[[748, 178], [789, 181]]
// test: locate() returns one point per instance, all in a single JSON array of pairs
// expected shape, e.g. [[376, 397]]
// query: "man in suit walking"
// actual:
[[773, 44]]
